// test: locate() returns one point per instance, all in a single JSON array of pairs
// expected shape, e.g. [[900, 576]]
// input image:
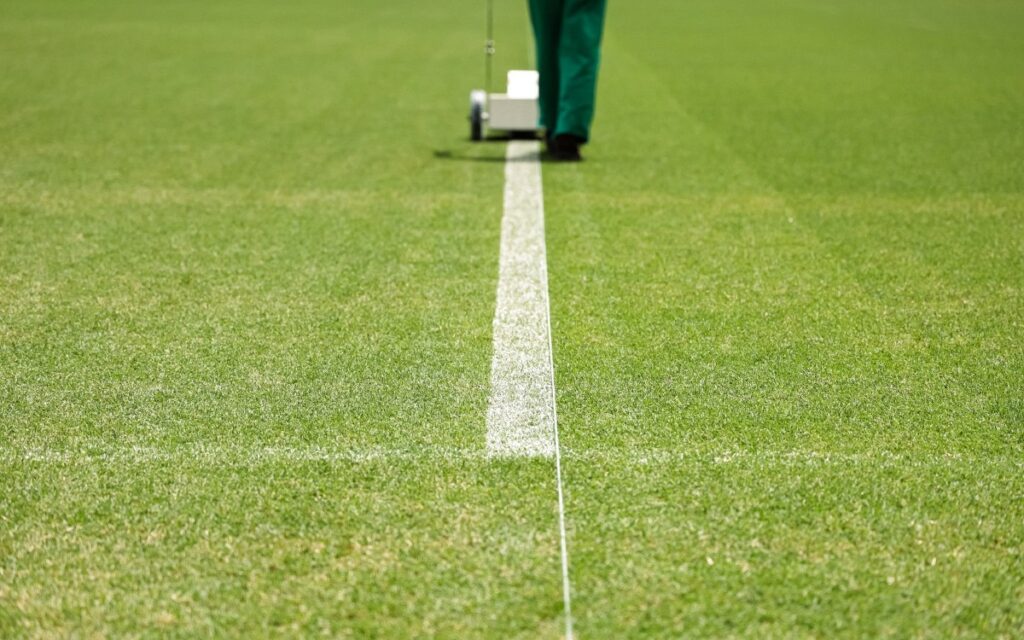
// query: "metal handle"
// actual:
[[489, 46]]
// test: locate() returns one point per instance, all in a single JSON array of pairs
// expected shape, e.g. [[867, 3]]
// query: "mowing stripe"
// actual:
[[522, 417]]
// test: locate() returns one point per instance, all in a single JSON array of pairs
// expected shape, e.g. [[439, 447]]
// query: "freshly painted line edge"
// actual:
[[520, 413]]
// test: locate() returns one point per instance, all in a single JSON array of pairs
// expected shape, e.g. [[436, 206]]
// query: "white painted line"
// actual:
[[522, 417], [98, 453], [563, 542], [521, 413]]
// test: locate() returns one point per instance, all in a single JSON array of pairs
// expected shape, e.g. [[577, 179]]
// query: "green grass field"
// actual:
[[248, 262]]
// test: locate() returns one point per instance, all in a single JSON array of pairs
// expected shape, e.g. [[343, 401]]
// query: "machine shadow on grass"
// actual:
[[449, 154]]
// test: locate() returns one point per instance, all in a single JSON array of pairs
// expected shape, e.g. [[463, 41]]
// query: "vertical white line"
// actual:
[[522, 416], [520, 419], [566, 591]]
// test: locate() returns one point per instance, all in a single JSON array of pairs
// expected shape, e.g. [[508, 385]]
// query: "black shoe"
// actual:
[[565, 148]]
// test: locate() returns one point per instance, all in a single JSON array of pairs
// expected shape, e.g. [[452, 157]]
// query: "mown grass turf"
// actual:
[[245, 320], [247, 270], [789, 274], [251, 544]]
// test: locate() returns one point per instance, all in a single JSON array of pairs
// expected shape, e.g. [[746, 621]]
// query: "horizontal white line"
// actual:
[[215, 454]]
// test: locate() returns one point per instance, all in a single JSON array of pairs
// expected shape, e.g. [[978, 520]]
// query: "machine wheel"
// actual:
[[476, 123], [476, 116]]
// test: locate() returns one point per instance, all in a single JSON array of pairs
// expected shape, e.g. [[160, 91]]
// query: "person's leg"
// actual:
[[579, 54], [546, 17]]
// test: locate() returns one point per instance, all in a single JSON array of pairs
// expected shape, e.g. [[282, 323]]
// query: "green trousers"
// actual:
[[568, 35]]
